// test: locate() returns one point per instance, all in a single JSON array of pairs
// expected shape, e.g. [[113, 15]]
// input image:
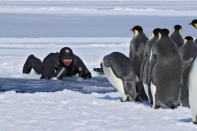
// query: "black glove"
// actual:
[[85, 74]]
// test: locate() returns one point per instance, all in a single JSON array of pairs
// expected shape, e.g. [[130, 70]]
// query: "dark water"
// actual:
[[97, 85]]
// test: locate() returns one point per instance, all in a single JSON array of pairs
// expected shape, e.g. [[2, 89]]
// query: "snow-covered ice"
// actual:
[[92, 29]]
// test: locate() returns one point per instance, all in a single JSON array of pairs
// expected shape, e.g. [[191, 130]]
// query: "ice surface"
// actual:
[[38, 27], [159, 8]]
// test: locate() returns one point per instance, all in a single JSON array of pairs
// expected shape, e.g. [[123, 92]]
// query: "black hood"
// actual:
[[66, 53]]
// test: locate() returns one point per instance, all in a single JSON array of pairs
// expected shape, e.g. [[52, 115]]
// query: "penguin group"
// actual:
[[161, 70]]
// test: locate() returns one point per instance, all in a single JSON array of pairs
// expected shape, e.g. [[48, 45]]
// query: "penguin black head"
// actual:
[[178, 28], [156, 31], [164, 32], [194, 23], [137, 29], [66, 56], [188, 38]]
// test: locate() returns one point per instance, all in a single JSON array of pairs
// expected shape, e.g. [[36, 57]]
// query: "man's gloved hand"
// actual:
[[60, 72], [84, 73]]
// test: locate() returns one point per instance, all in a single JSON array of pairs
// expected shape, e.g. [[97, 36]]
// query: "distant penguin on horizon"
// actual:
[[176, 35], [145, 61], [164, 72], [121, 74], [188, 53]]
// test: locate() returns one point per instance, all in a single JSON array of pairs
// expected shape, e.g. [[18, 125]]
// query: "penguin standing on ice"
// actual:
[[145, 61], [194, 23], [188, 53], [164, 72], [176, 35], [120, 72], [137, 45], [193, 91]]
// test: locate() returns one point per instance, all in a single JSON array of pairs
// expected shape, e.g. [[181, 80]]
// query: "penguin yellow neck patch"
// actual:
[[185, 40], [135, 32], [195, 25], [180, 30], [152, 35], [159, 35]]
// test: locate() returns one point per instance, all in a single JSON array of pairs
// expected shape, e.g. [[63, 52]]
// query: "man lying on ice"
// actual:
[[57, 65]]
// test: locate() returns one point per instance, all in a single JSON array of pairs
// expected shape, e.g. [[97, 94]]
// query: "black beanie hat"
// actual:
[[66, 53]]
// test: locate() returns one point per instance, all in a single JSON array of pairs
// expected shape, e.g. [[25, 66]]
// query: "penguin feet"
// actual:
[[27, 67], [185, 104], [173, 106], [138, 99], [194, 119], [125, 100], [156, 107]]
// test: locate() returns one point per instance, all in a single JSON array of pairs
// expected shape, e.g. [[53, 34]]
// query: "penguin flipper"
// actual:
[[153, 61], [142, 66]]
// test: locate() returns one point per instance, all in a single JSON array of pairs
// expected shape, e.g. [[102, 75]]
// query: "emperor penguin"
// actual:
[[193, 91], [137, 45], [194, 23], [145, 61], [164, 72], [121, 74], [188, 53], [176, 35]]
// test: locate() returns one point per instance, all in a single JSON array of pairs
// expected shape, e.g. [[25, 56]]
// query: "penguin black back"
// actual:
[[137, 45], [176, 35], [119, 58]]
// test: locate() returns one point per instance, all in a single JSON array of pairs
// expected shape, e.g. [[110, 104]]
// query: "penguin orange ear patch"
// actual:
[[195, 25], [67, 51], [180, 30], [185, 40]]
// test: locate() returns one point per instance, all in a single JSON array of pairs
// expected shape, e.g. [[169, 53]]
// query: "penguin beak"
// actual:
[[190, 23], [131, 29]]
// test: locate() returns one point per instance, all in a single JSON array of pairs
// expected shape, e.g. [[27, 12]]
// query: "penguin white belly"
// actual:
[[146, 91], [153, 92], [193, 91], [115, 81]]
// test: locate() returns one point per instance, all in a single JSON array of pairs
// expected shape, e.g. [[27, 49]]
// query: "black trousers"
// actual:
[[39, 67]]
